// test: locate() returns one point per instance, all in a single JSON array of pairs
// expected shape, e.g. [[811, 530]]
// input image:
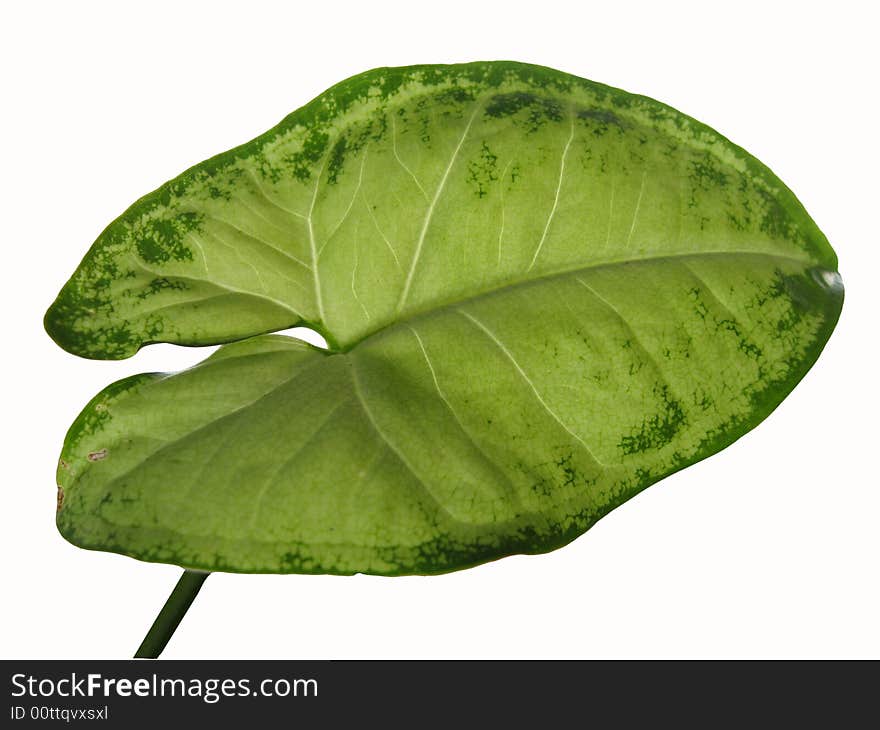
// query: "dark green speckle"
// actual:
[[160, 240]]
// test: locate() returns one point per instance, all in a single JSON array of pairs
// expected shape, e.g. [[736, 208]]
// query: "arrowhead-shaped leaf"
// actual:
[[541, 294]]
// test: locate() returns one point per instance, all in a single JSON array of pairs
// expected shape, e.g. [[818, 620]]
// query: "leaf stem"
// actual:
[[172, 614]]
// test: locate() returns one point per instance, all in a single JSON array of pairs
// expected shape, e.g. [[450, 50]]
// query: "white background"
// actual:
[[769, 549]]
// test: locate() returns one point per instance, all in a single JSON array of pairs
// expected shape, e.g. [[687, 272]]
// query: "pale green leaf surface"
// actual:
[[542, 295]]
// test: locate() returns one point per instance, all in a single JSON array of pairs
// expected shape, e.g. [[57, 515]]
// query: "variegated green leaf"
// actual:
[[541, 296]]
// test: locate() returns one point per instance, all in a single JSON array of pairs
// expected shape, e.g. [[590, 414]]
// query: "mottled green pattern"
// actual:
[[541, 294]]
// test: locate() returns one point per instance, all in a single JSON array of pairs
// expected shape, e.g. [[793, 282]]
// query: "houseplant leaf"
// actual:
[[541, 295]]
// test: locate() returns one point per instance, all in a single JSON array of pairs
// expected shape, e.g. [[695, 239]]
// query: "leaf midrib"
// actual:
[[454, 303]]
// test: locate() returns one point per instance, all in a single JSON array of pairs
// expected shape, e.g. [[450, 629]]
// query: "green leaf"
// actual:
[[541, 295]]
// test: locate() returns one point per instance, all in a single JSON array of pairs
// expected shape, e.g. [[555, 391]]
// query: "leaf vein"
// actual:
[[227, 415], [214, 282], [509, 490], [492, 336], [348, 209], [429, 214], [384, 237], [262, 241], [269, 200], [267, 484], [555, 197], [402, 163], [394, 449]]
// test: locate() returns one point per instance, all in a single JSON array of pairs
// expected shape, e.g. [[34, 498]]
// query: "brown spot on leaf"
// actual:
[[63, 464], [97, 455], [60, 499]]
